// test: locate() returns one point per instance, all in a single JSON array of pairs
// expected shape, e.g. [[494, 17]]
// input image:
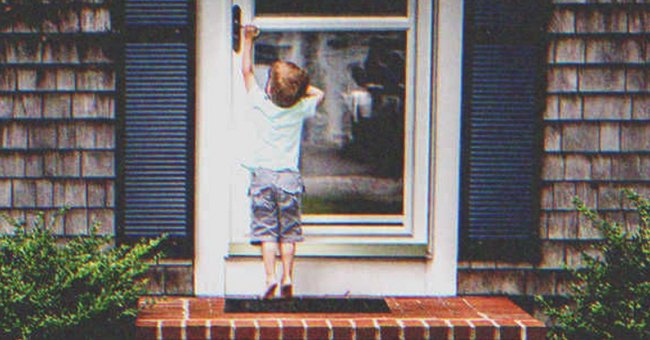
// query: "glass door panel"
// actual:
[[359, 152], [331, 8], [353, 150]]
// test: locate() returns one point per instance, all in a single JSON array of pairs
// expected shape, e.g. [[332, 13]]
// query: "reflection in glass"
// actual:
[[353, 150], [331, 7]]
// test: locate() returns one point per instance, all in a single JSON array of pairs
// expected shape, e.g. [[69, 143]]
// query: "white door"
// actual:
[[368, 157]]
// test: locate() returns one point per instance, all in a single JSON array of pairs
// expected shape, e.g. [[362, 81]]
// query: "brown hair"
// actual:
[[287, 83]]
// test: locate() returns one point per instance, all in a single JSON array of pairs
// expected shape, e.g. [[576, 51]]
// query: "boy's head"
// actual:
[[287, 83]]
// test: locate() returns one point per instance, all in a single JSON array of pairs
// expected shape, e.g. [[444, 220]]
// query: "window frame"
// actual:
[[405, 235]]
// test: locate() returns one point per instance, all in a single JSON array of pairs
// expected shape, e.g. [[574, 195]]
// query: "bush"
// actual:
[[610, 296], [82, 288]]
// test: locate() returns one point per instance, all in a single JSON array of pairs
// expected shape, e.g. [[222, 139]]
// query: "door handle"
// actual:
[[236, 28]]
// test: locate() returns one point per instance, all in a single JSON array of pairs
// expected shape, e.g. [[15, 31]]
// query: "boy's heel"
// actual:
[[286, 292], [270, 291]]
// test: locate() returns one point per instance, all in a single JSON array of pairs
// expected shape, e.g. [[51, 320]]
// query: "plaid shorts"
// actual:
[[275, 206]]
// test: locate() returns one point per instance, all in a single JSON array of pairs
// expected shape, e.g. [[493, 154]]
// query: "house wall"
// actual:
[[596, 140], [58, 124], [57, 114], [58, 133]]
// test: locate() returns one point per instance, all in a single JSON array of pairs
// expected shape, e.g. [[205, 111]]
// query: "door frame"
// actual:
[[212, 201]]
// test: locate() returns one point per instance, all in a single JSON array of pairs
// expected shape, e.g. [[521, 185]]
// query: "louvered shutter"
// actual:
[[503, 83], [157, 122]]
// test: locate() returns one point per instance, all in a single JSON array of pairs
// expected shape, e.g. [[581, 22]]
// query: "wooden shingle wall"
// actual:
[[596, 139], [58, 127], [57, 113], [58, 121]]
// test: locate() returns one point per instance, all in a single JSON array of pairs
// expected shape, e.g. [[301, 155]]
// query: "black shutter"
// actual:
[[503, 84], [157, 122]]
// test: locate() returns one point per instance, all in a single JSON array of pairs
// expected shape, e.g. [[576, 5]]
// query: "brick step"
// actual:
[[409, 318]]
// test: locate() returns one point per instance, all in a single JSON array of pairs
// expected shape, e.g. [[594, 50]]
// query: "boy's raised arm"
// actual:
[[250, 32]]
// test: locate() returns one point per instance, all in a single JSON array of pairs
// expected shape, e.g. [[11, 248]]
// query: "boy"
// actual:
[[276, 185]]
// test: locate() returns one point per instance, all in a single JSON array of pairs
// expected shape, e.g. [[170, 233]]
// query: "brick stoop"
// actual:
[[410, 318]]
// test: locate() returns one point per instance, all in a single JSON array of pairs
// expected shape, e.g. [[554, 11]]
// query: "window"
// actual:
[[353, 150], [331, 8], [366, 155]]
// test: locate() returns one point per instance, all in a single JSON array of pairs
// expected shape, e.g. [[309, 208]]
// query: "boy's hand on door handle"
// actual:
[[250, 32]]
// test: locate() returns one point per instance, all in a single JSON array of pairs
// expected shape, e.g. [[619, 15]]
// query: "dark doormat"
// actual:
[[307, 305]]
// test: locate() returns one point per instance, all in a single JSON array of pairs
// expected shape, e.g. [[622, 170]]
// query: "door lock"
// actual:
[[236, 28]]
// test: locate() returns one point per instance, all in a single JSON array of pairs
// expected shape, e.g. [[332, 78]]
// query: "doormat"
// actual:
[[307, 305]]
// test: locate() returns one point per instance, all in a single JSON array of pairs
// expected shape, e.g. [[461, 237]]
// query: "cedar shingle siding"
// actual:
[[58, 119], [57, 114], [596, 139], [58, 107]]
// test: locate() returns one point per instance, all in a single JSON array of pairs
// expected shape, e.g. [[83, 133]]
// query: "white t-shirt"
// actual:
[[278, 131]]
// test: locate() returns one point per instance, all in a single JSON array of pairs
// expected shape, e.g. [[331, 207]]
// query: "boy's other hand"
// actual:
[[250, 32]]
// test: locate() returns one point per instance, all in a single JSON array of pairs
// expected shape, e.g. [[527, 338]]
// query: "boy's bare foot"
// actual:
[[270, 291], [286, 289]]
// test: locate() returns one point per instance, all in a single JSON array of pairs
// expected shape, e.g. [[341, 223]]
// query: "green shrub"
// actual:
[[81, 288], [610, 296]]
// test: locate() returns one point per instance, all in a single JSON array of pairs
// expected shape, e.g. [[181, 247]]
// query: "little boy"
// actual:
[[276, 185]]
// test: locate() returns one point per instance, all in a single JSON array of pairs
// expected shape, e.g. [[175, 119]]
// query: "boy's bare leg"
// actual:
[[287, 253], [269, 252]]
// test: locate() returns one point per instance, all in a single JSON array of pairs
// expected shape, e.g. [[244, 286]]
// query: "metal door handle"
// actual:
[[236, 28]]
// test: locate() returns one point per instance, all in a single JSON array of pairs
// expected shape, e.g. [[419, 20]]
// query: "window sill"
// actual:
[[341, 250]]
